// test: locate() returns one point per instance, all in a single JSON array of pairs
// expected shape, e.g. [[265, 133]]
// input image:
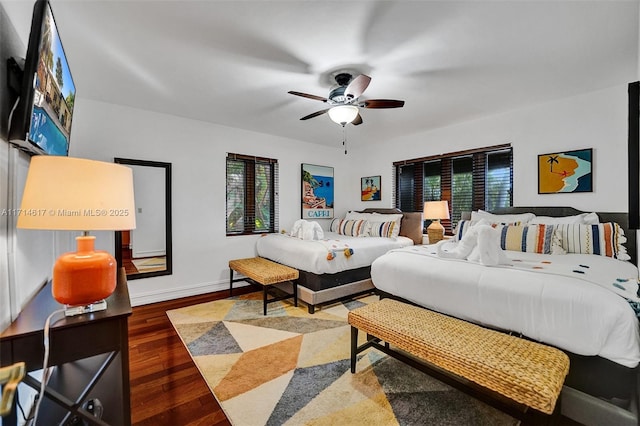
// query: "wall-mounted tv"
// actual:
[[41, 121]]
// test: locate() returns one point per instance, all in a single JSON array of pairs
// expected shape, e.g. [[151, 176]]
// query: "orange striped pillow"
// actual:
[[530, 238]]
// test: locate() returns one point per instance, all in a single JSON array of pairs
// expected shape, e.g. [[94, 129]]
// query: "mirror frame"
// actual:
[[167, 197]]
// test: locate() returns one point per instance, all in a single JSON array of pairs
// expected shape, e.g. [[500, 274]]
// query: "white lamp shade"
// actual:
[[343, 114], [436, 210], [65, 193]]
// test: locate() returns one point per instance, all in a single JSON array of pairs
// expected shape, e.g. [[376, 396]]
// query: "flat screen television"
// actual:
[[41, 121]]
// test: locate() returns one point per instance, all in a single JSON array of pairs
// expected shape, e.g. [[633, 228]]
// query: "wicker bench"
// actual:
[[266, 273], [529, 373]]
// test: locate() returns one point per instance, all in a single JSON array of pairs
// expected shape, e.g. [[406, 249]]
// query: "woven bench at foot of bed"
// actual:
[[526, 372], [263, 270], [266, 273]]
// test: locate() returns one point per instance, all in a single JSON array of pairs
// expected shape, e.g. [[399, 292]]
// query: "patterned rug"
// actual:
[[150, 264], [292, 368]]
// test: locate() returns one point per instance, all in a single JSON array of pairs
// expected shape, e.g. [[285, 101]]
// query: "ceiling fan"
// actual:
[[345, 102]]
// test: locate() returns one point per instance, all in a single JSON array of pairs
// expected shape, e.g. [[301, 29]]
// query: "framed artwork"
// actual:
[[370, 188], [563, 172], [317, 192]]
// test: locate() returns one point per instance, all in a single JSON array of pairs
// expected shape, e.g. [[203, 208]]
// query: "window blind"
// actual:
[[499, 182], [432, 179], [405, 181], [461, 187], [480, 178], [252, 196]]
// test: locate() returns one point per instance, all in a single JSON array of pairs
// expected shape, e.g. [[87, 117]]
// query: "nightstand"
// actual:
[[90, 352], [425, 238]]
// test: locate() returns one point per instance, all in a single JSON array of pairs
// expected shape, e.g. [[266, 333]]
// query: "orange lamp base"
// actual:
[[82, 280]]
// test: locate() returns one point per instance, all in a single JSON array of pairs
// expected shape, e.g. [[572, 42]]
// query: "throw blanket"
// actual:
[[336, 247], [306, 230], [480, 245], [608, 278]]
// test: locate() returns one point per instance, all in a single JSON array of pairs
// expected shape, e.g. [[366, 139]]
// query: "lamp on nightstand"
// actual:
[[435, 211], [74, 194]]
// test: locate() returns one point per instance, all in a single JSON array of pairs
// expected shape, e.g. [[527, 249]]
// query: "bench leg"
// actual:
[[264, 298], [354, 348], [230, 282], [295, 293]]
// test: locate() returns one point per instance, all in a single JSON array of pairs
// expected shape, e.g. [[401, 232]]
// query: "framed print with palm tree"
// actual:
[[568, 171]]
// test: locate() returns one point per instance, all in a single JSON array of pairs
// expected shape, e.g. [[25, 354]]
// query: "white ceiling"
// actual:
[[232, 62]]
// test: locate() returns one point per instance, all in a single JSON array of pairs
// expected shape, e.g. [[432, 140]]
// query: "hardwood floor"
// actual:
[[166, 387]]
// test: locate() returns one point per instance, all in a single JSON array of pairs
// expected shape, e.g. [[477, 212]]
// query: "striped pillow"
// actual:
[[464, 225], [530, 238], [351, 228], [382, 229], [604, 239], [461, 228]]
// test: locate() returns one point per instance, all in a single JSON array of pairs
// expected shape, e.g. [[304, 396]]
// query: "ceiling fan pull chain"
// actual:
[[344, 138]]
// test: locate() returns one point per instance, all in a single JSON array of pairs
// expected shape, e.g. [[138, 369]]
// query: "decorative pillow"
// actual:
[[587, 218], [335, 224], [521, 218], [604, 239], [378, 218], [461, 228], [383, 229], [529, 238], [351, 228]]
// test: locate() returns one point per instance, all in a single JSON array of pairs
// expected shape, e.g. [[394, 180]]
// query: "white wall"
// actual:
[[197, 151], [595, 120], [149, 237]]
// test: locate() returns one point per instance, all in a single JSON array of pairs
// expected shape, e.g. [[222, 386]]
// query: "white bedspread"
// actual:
[[565, 311], [311, 256]]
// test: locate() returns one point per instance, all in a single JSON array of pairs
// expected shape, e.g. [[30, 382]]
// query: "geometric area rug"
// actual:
[[293, 368]]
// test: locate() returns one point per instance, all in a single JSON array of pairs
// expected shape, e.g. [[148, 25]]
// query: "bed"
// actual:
[[568, 301], [328, 270]]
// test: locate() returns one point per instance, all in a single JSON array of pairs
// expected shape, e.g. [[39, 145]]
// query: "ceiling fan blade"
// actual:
[[357, 121], [382, 103], [357, 86], [315, 114], [306, 95]]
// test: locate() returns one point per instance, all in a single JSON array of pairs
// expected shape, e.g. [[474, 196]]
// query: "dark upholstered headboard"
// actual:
[[621, 219], [411, 225]]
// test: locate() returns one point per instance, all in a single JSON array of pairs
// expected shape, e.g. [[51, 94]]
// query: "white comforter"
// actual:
[[312, 256], [565, 311]]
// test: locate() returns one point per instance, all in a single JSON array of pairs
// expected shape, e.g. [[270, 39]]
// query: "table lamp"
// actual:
[[74, 194], [435, 211]]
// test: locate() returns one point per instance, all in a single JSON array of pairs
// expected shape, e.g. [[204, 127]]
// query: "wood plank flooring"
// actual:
[[166, 387]]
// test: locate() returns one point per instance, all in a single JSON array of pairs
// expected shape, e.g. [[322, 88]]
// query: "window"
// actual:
[[461, 187], [252, 195], [499, 179], [432, 181], [405, 183], [468, 180]]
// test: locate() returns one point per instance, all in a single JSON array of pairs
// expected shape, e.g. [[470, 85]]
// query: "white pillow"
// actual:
[[584, 218], [521, 218]]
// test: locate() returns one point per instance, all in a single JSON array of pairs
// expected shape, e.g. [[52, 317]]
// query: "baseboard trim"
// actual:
[[150, 297]]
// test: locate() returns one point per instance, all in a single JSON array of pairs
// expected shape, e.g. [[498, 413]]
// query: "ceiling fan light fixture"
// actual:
[[343, 114]]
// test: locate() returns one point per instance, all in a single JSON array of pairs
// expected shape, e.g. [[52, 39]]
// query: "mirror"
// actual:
[[146, 251]]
